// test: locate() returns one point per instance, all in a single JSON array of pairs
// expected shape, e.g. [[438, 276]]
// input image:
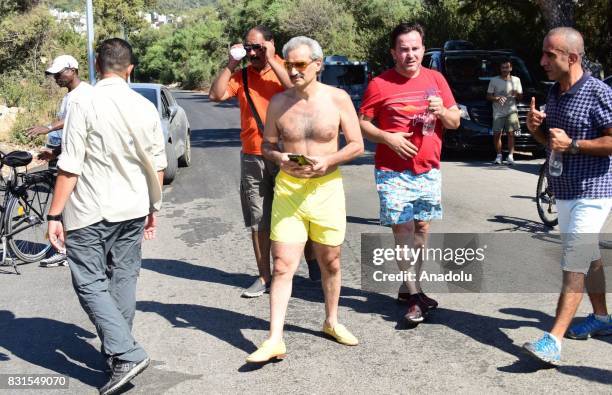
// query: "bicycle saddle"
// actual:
[[17, 159]]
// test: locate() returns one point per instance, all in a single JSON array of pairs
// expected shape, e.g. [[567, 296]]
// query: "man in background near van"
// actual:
[[504, 91]]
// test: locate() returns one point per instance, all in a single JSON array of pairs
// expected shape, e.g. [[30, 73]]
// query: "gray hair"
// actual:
[[572, 39], [316, 52]]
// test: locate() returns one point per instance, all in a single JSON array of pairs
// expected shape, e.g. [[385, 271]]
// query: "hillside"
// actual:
[[163, 6]]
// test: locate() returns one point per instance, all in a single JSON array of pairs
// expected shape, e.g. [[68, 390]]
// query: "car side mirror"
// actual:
[[173, 111]]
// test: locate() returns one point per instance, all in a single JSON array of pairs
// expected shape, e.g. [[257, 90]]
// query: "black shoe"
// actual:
[[417, 311], [123, 372], [403, 297], [314, 272], [428, 302]]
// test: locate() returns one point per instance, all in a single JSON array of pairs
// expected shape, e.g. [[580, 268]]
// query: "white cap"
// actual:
[[62, 62]]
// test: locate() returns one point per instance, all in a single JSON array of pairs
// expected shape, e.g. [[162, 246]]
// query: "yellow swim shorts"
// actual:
[[309, 208]]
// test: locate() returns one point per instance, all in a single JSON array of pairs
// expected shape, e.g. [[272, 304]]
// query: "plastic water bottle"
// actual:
[[238, 53], [429, 119], [54, 139], [555, 164], [429, 124]]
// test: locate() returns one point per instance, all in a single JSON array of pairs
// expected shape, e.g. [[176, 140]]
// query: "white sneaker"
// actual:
[[510, 160], [498, 160], [54, 261]]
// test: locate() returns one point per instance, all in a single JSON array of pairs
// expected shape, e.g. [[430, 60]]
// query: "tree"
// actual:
[[323, 20], [24, 38], [557, 12], [21, 6], [119, 18]]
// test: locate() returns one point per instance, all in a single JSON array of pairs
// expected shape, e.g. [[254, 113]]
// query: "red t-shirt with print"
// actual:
[[399, 104]]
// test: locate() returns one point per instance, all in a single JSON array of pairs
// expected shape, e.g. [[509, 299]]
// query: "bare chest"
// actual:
[[300, 122]]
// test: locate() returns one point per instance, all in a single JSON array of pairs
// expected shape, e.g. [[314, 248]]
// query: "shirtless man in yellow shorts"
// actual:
[[308, 197]]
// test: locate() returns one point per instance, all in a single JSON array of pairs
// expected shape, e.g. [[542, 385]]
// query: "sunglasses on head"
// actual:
[[254, 47], [299, 66]]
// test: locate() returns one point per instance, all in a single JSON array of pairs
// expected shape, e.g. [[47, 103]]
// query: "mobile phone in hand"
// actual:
[[299, 159]]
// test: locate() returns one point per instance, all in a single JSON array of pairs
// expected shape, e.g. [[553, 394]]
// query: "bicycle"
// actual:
[[545, 200], [24, 208]]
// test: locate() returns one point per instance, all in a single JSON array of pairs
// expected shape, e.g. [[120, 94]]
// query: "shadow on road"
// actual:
[[226, 325], [532, 198], [203, 98], [352, 298], [485, 160], [191, 271], [488, 330], [527, 364], [207, 138], [52, 345], [223, 324], [519, 224]]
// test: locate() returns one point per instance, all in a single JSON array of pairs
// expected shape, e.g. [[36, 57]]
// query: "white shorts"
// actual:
[[580, 221]]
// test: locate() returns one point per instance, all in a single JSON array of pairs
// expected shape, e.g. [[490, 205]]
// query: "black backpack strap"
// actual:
[[245, 83]]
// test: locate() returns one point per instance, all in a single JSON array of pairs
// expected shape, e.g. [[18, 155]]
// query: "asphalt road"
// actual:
[[198, 330]]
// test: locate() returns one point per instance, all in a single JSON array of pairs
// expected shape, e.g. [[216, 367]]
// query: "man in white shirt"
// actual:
[[65, 71], [504, 91], [107, 190]]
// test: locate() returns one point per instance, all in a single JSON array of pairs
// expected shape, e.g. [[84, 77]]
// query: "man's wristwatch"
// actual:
[[50, 126], [574, 148], [54, 217]]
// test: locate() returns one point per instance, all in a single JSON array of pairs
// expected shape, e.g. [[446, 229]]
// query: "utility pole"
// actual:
[[90, 39]]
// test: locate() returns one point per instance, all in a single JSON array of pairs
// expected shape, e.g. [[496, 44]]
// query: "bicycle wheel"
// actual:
[[545, 200], [25, 221]]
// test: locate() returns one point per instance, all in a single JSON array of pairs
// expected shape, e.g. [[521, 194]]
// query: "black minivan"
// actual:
[[468, 72], [351, 76]]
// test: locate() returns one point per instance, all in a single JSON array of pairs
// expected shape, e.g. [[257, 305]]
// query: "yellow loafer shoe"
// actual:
[[341, 334], [268, 351]]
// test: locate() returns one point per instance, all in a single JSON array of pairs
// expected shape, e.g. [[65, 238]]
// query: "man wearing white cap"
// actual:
[[65, 71]]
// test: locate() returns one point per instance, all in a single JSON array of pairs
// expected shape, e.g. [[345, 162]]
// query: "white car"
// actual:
[[174, 124]]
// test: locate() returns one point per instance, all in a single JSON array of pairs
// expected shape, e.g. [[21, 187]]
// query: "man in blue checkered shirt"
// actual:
[[577, 124]]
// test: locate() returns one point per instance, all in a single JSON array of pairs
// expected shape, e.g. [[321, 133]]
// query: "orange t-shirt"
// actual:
[[262, 86]]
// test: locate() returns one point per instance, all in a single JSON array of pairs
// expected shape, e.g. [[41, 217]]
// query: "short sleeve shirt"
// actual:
[[501, 87], [113, 140], [262, 86], [399, 104], [583, 112], [83, 88]]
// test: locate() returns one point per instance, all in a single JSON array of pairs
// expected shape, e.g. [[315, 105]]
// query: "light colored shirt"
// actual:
[[114, 142], [54, 138], [501, 87]]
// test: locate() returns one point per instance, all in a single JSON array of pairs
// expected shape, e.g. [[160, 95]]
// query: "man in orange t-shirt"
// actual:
[[266, 77]]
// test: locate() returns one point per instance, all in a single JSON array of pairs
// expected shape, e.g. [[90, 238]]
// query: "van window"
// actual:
[[435, 62], [479, 69], [343, 75]]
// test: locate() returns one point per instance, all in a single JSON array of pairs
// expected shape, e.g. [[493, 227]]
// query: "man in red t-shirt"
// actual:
[[405, 111]]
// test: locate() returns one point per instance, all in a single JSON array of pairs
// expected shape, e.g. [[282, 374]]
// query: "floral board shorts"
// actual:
[[405, 196]]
